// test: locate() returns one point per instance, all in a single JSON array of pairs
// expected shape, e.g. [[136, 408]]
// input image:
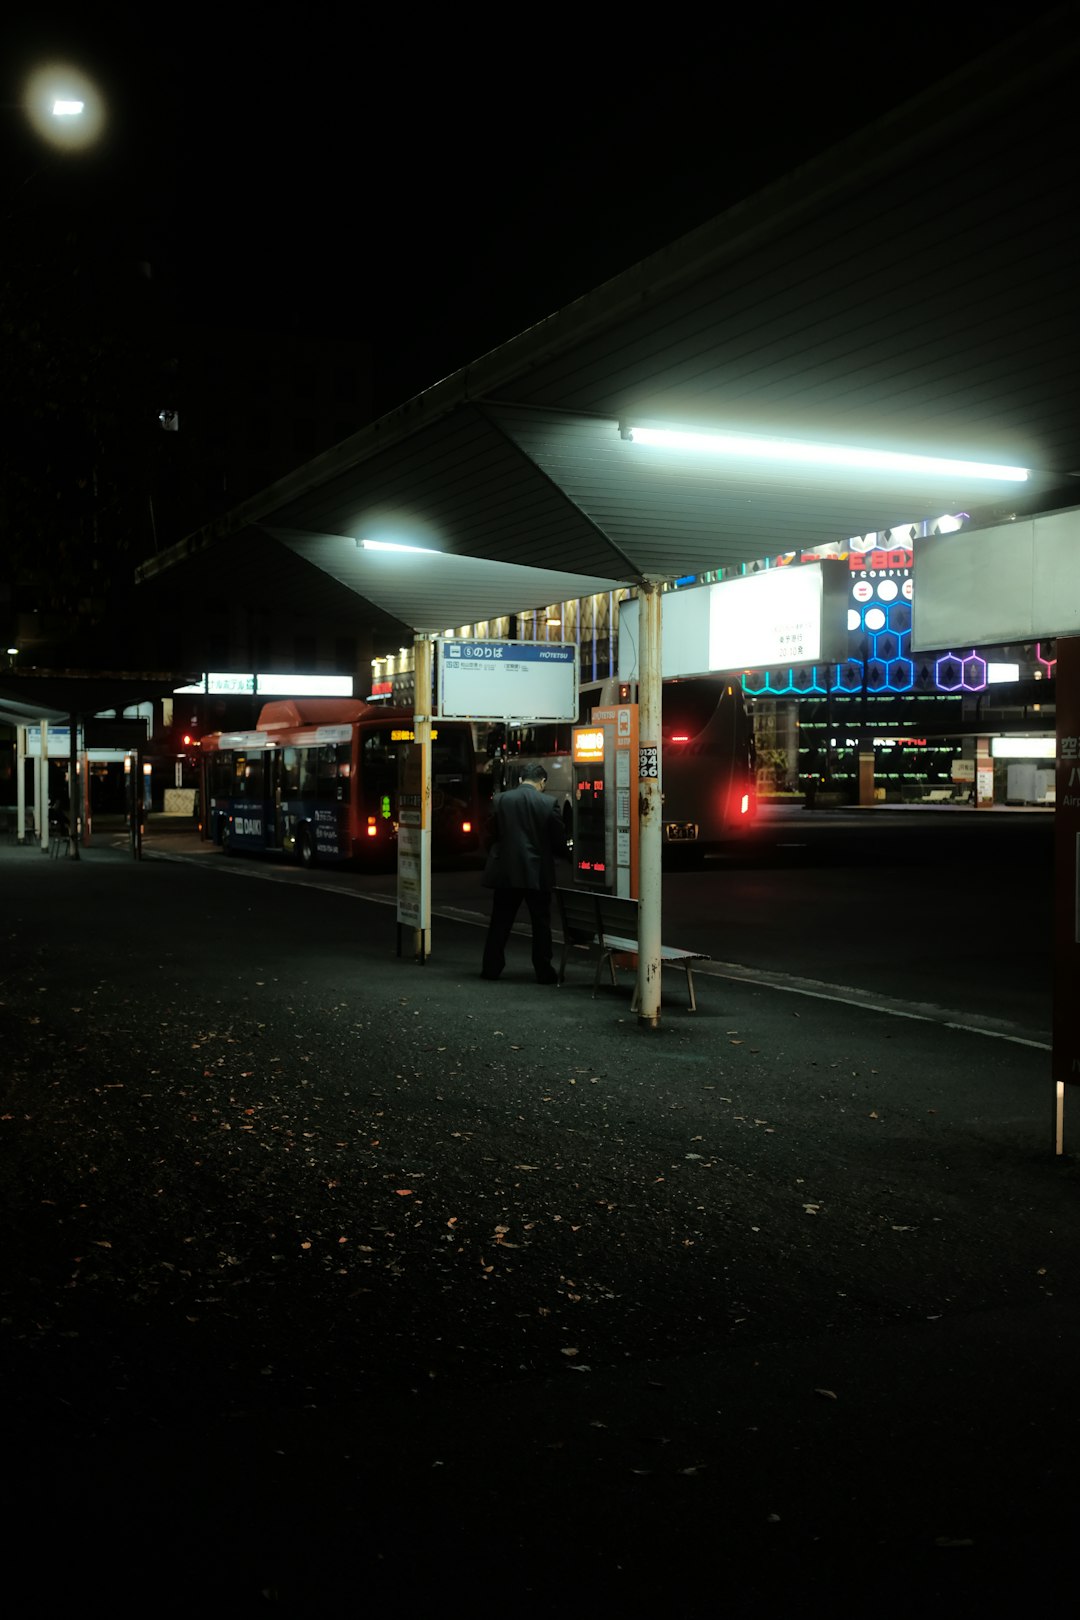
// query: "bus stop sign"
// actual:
[[507, 680]]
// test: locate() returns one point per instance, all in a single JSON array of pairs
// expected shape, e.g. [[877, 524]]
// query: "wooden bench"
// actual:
[[608, 925]]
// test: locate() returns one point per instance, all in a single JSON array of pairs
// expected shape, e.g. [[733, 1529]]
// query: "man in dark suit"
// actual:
[[525, 837]]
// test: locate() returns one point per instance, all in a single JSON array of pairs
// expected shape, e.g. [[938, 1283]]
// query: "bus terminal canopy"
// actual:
[[886, 335], [911, 290]]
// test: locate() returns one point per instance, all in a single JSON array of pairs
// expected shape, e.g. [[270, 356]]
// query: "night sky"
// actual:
[[436, 188]]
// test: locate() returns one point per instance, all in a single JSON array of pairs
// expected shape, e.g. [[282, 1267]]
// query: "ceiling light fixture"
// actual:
[[391, 545], [748, 447]]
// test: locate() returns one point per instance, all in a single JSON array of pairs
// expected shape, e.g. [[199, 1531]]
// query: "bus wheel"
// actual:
[[305, 849]]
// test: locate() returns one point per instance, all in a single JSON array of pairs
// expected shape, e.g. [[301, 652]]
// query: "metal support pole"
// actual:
[[44, 830], [1059, 1117], [20, 784], [87, 802], [137, 807], [74, 796], [422, 676], [650, 805]]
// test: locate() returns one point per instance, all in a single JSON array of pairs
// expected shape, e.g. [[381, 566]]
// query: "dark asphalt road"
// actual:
[[335, 1282], [945, 910]]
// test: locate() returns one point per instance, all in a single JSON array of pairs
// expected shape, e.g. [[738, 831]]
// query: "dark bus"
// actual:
[[317, 780]]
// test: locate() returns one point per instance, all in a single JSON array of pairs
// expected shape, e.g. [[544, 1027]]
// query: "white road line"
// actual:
[[922, 1012]]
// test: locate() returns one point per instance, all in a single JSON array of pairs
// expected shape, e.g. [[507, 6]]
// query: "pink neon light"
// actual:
[[961, 682]]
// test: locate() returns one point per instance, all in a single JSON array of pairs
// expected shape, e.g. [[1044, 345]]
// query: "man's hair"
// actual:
[[534, 773]]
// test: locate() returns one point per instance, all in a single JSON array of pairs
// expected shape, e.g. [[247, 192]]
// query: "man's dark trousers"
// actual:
[[505, 904]]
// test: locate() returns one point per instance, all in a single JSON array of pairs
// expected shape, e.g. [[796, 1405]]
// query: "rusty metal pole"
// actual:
[[423, 648], [74, 797], [650, 805], [20, 788]]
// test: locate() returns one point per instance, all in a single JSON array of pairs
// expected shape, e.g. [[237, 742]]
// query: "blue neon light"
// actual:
[[889, 668], [899, 679]]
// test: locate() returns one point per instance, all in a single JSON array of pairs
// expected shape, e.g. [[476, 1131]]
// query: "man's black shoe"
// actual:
[[551, 977], [488, 975]]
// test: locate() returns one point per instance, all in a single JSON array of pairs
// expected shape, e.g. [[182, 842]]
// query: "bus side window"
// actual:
[[343, 751], [250, 776], [221, 776], [305, 786], [328, 772], [288, 772]]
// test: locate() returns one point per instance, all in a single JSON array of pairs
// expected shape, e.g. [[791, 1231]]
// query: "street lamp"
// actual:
[[64, 106]]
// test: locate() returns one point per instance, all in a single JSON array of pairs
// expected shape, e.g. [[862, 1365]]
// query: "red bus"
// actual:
[[318, 780], [709, 768]]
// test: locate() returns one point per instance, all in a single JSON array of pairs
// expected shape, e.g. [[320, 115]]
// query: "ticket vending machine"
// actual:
[[604, 759]]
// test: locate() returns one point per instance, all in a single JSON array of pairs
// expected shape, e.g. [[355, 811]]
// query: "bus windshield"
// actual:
[[687, 707]]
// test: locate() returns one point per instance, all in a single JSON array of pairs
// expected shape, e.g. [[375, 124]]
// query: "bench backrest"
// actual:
[[578, 912], [585, 915], [616, 914]]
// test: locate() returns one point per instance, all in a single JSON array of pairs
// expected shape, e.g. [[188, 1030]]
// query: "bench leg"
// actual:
[[690, 987]]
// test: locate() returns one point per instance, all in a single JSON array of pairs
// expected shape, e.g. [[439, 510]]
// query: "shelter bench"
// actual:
[[607, 924]]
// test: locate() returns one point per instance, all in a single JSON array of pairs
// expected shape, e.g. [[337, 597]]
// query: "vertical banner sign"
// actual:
[[413, 895], [1066, 1047], [984, 773]]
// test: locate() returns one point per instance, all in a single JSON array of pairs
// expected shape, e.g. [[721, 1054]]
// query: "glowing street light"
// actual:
[[64, 106]]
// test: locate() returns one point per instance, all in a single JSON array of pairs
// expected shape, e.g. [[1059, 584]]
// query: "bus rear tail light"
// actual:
[[744, 804], [372, 827], [466, 826]]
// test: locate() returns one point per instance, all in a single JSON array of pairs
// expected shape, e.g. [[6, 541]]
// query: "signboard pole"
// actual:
[[43, 789], [650, 809], [20, 785], [1065, 1055], [414, 830], [74, 798]]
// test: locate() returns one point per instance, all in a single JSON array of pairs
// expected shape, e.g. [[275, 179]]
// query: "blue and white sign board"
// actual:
[[508, 680]]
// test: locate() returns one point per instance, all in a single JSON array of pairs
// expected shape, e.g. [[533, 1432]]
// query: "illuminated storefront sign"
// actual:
[[226, 684], [879, 620]]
